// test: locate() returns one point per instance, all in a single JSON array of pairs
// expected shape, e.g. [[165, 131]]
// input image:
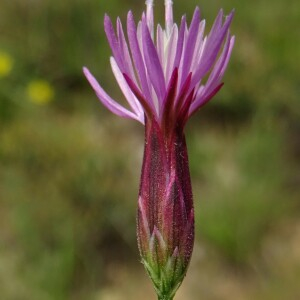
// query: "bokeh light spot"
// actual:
[[6, 64], [40, 92]]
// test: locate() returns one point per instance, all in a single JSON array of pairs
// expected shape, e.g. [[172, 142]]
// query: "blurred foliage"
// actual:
[[69, 170]]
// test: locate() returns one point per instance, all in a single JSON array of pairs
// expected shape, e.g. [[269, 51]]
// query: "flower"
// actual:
[[40, 91], [6, 64], [161, 74]]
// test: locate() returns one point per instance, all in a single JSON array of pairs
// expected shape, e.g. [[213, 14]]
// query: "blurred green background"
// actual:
[[69, 169]]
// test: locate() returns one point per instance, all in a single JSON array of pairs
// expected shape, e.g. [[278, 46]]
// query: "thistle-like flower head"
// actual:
[[160, 71], [161, 74]]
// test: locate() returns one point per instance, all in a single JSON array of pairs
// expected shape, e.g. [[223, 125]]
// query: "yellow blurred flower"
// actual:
[[6, 64], [40, 92]]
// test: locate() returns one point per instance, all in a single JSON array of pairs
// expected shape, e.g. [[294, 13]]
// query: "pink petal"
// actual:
[[132, 100], [153, 64], [107, 101], [137, 57]]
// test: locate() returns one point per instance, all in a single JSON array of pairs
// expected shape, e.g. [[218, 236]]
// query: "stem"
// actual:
[[164, 298]]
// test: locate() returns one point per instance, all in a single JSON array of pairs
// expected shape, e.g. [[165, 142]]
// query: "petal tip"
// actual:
[[230, 16], [107, 21], [130, 14], [197, 10], [85, 69]]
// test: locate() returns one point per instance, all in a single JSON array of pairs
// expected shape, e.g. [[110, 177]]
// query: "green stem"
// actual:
[[164, 298]]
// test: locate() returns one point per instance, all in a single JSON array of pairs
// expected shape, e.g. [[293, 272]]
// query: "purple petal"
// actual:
[[180, 42], [153, 65], [198, 47], [215, 41], [160, 44], [212, 47], [215, 77], [203, 100], [171, 52], [190, 44], [232, 40], [113, 42], [218, 67], [147, 109], [137, 57], [132, 100], [217, 23], [124, 51], [107, 101]]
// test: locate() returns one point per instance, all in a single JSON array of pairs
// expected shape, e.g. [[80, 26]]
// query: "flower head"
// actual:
[[160, 71], [161, 74]]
